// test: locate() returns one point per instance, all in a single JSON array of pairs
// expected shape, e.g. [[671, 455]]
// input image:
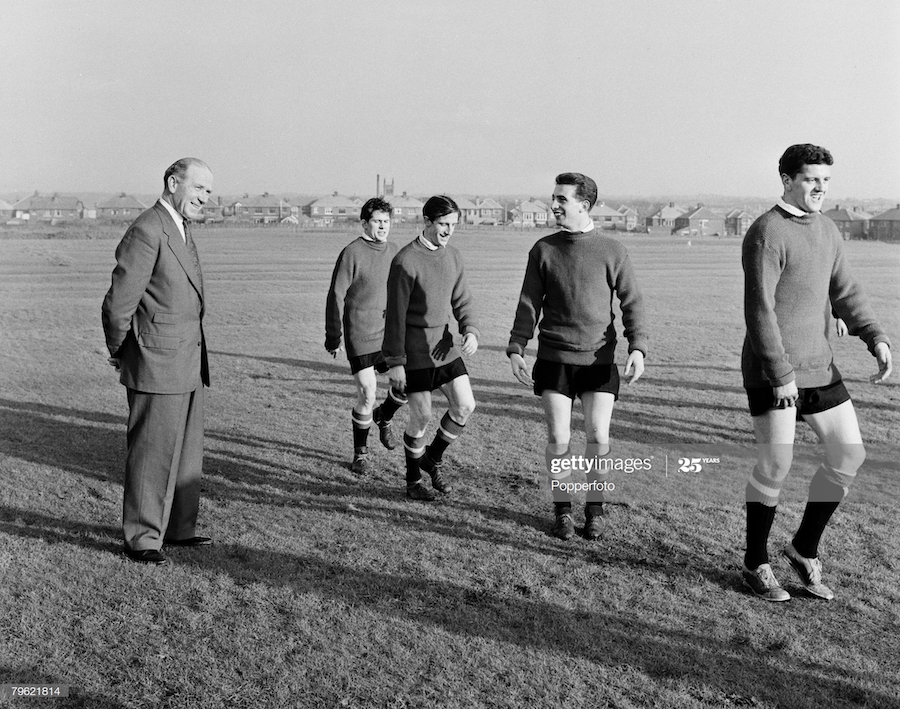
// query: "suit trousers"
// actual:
[[162, 467]]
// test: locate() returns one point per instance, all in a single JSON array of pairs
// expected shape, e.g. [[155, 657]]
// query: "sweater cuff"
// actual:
[[781, 381], [515, 348], [398, 361], [878, 339], [471, 330], [638, 345]]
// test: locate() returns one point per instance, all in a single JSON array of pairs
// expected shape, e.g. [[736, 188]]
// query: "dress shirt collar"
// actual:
[[426, 243], [176, 217], [791, 209]]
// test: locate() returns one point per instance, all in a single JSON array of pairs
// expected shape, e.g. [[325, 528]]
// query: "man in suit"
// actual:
[[153, 322]]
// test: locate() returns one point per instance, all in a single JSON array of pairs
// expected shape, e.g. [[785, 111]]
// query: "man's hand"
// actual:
[[520, 369], [114, 361], [883, 355], [635, 361], [336, 351], [840, 327], [469, 344], [786, 395], [397, 378]]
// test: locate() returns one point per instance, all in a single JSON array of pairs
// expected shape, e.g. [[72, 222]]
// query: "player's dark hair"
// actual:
[[376, 204], [179, 168], [439, 206], [797, 156], [585, 187]]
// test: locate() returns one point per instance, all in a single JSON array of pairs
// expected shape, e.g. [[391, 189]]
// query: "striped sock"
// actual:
[[361, 425], [448, 431], [414, 448], [827, 489], [392, 402]]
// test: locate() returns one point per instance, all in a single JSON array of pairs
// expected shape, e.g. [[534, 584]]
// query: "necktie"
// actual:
[[189, 241]]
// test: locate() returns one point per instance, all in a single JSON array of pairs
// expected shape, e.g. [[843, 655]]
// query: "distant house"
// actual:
[[327, 210], [631, 217], [214, 210], [48, 208], [529, 214], [406, 208], [490, 211], [737, 221], [852, 223], [122, 207], [700, 221], [606, 217], [263, 209], [886, 226], [665, 216], [469, 211]]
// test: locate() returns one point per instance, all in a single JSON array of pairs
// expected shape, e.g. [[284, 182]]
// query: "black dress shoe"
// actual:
[[189, 542], [146, 556]]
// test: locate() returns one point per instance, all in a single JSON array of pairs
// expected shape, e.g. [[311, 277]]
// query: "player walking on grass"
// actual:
[[795, 274], [427, 281], [571, 278], [357, 299]]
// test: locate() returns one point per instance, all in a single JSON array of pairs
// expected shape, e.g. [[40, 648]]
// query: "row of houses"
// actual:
[[699, 220]]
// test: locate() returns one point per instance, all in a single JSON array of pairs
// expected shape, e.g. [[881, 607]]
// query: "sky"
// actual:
[[475, 97]]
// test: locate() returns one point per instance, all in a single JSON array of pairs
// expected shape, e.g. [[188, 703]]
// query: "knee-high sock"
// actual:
[[361, 425], [392, 402], [448, 431], [759, 524], [414, 448], [827, 489]]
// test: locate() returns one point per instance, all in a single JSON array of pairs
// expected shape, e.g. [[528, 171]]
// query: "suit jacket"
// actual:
[[153, 311]]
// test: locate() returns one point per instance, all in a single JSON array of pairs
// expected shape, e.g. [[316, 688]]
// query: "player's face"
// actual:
[[808, 187], [569, 211], [192, 191], [439, 231], [378, 227]]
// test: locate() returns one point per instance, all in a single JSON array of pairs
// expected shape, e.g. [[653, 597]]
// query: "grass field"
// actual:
[[325, 590]]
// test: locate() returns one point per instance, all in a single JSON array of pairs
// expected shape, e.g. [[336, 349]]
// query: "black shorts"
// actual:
[[433, 378], [812, 400], [373, 359], [574, 379]]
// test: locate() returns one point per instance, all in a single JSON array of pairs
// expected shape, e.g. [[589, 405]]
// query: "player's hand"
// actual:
[[786, 395], [336, 351], [520, 369], [469, 344], [635, 361], [397, 378], [840, 327], [883, 355], [114, 361]]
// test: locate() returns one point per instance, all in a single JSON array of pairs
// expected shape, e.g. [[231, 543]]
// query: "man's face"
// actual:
[[567, 208], [440, 230], [807, 189], [378, 227], [191, 192]]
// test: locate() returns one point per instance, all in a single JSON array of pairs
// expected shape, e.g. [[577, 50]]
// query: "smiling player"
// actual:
[[427, 282], [795, 276], [357, 299]]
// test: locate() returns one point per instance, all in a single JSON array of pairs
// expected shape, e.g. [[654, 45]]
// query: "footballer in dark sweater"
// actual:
[[795, 277], [355, 307], [426, 283], [568, 291]]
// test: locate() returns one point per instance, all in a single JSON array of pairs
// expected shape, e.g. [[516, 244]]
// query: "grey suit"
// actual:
[[153, 322]]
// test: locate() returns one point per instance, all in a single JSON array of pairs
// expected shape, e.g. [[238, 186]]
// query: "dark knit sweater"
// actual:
[[571, 278], [795, 272], [424, 287], [358, 296]]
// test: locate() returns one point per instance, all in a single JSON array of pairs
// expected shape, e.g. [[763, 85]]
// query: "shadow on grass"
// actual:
[[336, 366], [735, 668]]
